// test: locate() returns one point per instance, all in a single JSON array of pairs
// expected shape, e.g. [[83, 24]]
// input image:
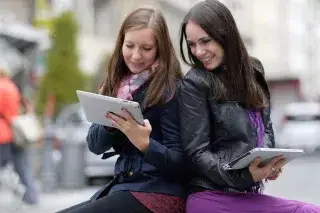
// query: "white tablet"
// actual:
[[96, 106], [266, 155]]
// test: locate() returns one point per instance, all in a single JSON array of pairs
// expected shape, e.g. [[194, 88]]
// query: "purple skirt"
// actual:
[[221, 202]]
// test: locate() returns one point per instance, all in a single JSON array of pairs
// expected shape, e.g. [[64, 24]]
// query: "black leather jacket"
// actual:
[[214, 133]]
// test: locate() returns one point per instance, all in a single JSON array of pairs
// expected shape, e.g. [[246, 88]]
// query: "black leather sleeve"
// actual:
[[195, 131]]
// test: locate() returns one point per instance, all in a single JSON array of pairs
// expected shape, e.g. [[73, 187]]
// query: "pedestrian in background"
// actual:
[[11, 104], [9, 108]]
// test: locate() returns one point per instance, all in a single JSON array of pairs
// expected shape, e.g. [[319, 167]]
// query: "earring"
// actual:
[[224, 67]]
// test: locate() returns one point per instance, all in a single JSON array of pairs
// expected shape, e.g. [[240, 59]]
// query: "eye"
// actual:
[[205, 41], [190, 44], [147, 48], [129, 46]]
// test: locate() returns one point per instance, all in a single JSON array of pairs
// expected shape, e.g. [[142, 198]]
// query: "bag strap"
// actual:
[[5, 120], [2, 116]]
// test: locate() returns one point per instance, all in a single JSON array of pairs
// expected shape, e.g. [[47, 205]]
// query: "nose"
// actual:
[[136, 55], [200, 52]]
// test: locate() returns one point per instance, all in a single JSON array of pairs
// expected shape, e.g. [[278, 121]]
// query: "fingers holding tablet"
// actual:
[[275, 174], [138, 134], [260, 172], [120, 118]]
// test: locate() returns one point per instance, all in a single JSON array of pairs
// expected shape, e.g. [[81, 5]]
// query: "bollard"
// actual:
[[48, 174], [73, 160]]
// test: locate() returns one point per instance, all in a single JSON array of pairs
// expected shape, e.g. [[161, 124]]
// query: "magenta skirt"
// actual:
[[221, 202]]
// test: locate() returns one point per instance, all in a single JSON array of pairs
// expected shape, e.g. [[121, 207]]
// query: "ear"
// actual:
[[155, 65]]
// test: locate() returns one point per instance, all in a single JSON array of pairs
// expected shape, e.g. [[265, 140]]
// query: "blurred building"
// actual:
[[283, 34], [20, 10], [302, 37], [19, 41]]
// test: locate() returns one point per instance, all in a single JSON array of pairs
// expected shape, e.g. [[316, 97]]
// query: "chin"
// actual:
[[134, 70], [212, 66]]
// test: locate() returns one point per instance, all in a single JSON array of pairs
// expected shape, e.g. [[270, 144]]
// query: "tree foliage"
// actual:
[[63, 75]]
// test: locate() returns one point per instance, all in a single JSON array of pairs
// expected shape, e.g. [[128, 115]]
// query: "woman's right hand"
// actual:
[[260, 173]]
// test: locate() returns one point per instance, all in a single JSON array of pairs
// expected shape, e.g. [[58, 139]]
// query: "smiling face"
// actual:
[[139, 49], [203, 47]]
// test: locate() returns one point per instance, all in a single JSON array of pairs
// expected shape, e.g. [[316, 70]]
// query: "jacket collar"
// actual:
[[140, 94]]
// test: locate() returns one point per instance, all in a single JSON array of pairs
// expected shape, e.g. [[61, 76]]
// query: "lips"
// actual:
[[206, 60], [136, 64]]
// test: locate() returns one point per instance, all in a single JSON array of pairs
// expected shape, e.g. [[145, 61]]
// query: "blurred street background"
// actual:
[[53, 47]]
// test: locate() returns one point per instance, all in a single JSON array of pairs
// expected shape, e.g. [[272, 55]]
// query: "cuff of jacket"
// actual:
[[155, 152], [110, 129], [248, 179]]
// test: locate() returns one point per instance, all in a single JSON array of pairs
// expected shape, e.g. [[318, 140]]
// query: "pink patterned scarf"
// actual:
[[133, 82]]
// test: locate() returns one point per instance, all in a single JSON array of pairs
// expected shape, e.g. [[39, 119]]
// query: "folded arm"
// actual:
[[167, 155]]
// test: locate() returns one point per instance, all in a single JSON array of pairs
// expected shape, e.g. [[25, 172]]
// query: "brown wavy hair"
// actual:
[[236, 78], [164, 79]]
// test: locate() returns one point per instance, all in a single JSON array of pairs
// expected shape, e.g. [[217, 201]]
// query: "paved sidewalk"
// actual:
[[298, 181], [49, 203]]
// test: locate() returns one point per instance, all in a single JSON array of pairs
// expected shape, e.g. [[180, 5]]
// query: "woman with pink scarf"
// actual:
[[149, 171]]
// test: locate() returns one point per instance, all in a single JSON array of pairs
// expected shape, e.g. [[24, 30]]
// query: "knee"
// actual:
[[307, 208]]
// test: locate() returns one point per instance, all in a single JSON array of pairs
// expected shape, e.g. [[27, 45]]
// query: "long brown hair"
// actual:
[[235, 79], [164, 79]]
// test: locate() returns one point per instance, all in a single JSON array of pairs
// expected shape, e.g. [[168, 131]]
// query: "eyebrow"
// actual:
[[145, 44], [201, 39]]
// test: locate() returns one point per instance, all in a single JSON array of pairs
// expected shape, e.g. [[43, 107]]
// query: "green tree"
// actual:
[[63, 76]]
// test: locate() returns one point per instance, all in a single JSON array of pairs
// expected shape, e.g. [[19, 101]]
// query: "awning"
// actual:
[[24, 36], [18, 43]]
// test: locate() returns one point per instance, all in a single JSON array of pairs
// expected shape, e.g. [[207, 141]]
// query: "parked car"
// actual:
[[301, 127], [71, 123]]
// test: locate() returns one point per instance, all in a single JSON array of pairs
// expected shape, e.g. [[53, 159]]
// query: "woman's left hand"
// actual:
[[138, 134]]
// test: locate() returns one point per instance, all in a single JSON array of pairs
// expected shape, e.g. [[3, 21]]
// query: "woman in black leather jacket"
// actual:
[[224, 112]]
